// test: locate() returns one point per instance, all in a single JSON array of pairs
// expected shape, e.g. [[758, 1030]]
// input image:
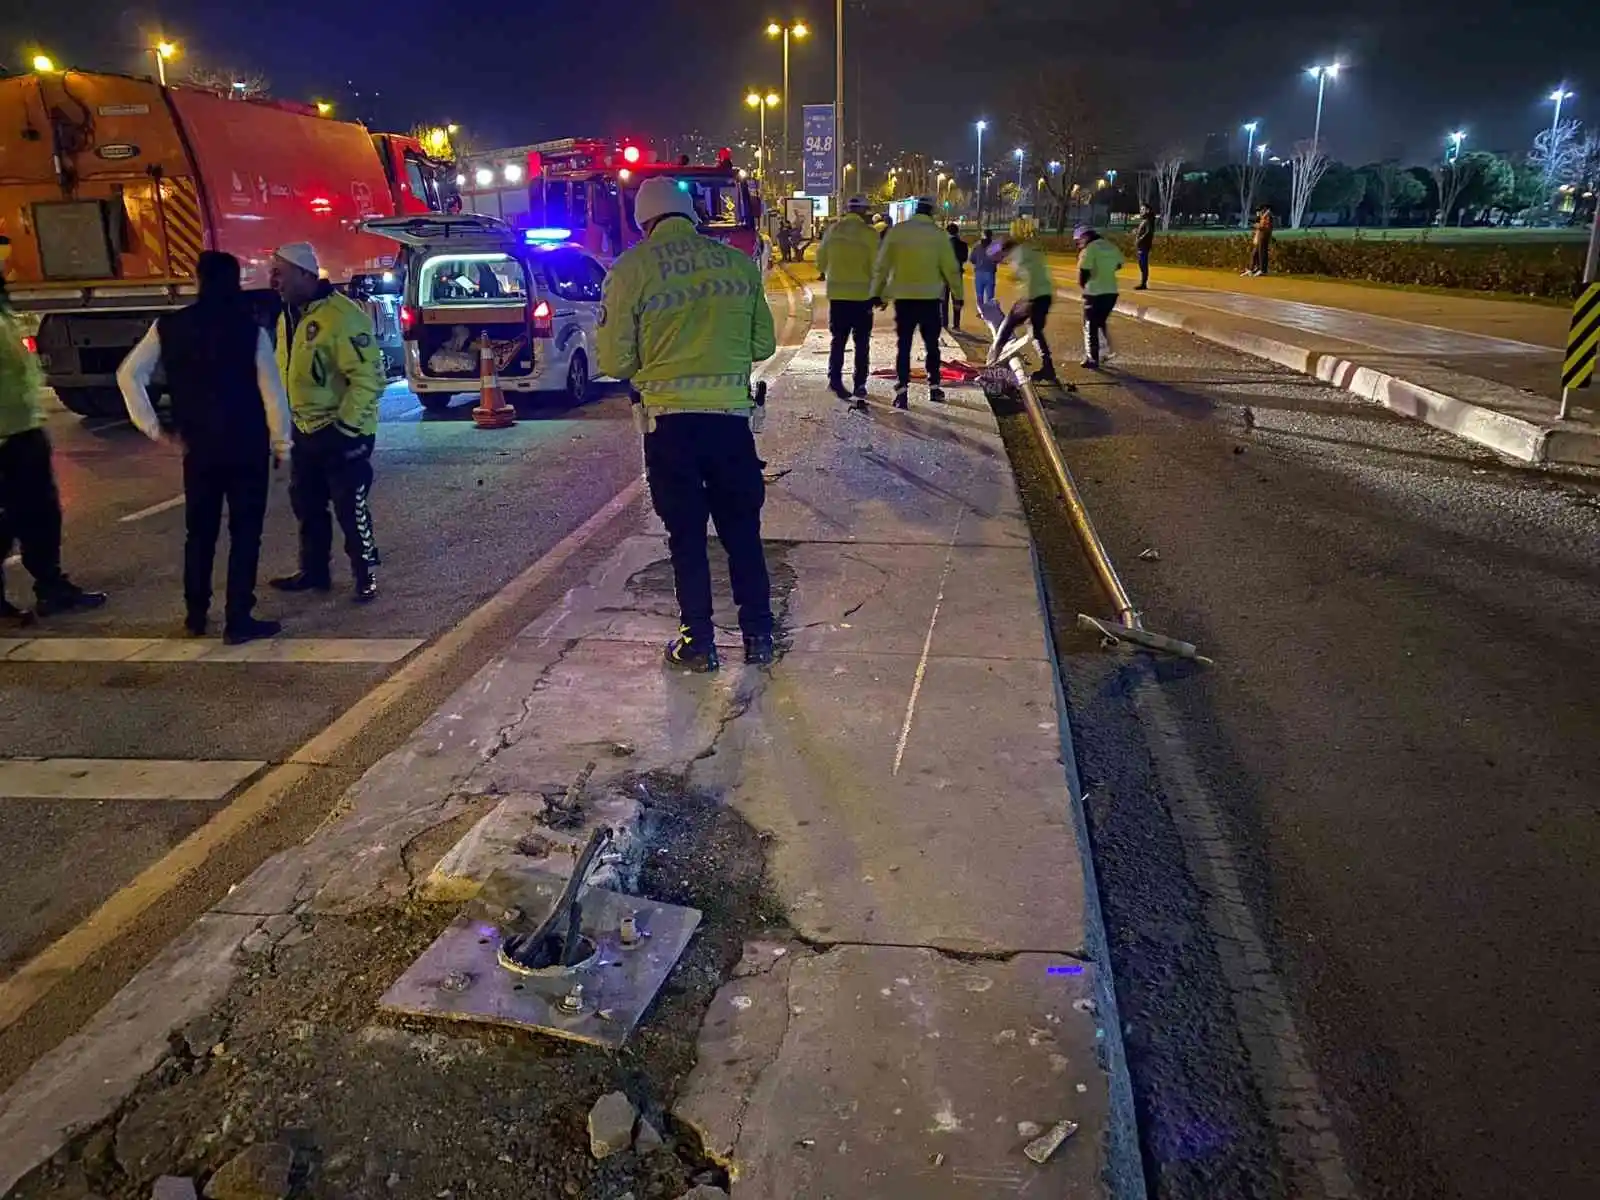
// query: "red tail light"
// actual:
[[543, 325], [408, 323], [30, 344]]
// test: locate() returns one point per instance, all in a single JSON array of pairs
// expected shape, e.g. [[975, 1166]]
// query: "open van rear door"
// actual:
[[440, 230]]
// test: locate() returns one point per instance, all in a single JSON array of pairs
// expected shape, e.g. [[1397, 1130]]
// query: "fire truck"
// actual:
[[111, 186], [584, 188]]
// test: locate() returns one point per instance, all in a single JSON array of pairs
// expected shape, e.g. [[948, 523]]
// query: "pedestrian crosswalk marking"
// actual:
[[121, 778], [313, 651]]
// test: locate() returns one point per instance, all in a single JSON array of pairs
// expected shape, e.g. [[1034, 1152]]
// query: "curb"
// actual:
[[1515, 437]]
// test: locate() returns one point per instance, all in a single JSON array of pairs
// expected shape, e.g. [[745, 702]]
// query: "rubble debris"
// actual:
[[261, 1172], [1029, 1129], [1041, 1148], [1150, 554], [705, 1191], [174, 1187], [611, 1125], [648, 1139]]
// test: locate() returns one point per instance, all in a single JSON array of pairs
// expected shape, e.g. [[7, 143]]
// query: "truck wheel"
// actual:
[[92, 401], [434, 401], [578, 377]]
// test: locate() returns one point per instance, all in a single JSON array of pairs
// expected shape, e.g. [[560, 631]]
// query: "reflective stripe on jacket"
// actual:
[[915, 262], [331, 366], [846, 257], [684, 318]]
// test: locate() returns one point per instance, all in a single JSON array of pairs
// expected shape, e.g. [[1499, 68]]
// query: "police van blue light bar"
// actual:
[[536, 237]]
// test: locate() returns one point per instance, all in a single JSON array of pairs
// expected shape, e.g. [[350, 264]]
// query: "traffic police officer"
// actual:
[[333, 371], [845, 259], [683, 320], [915, 265]]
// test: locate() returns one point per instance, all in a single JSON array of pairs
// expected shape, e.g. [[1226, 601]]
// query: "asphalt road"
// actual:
[[458, 511], [1387, 781]]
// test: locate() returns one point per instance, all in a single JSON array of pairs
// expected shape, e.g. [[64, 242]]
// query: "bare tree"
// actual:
[[1555, 154], [1453, 178], [1147, 189], [234, 83], [1064, 130], [1247, 177], [1167, 170], [1386, 186], [1307, 165]]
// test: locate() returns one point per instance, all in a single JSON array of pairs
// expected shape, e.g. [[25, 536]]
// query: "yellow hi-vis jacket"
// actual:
[[684, 318], [331, 366], [916, 262], [846, 256]]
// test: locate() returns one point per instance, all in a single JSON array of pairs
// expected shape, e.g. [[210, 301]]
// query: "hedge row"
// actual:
[[1545, 269]]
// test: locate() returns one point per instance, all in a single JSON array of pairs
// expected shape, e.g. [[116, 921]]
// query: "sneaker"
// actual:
[[66, 596], [196, 624], [684, 653], [301, 582], [366, 586], [838, 389], [249, 630], [936, 395], [758, 650], [902, 396], [861, 391], [1090, 364], [1044, 375], [1141, 287]]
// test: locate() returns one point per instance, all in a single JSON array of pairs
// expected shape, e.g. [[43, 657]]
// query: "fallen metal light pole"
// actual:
[[1128, 627]]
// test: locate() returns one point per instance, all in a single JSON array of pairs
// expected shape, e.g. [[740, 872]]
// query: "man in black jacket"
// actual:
[[1144, 237], [230, 411], [950, 308]]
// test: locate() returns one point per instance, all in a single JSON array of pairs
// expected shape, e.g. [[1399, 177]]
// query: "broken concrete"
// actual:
[[174, 1187], [261, 1172], [611, 1125]]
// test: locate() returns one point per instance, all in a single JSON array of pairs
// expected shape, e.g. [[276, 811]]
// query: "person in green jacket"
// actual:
[[845, 259], [1033, 306], [684, 318], [915, 266], [1098, 263], [333, 371], [30, 505]]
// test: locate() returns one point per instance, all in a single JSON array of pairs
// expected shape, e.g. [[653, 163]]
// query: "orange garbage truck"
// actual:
[[111, 186]]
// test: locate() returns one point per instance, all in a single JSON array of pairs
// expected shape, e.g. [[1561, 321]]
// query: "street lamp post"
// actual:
[[1321, 75], [1559, 95], [1250, 128], [162, 51], [799, 30], [1454, 151], [761, 103], [1018, 153], [982, 125]]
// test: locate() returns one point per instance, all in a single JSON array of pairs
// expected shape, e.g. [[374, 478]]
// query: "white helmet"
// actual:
[[661, 197]]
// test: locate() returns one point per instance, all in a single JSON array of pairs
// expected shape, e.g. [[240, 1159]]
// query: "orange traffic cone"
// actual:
[[492, 411]]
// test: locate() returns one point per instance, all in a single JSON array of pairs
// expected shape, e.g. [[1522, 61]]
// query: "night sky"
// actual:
[[1169, 72]]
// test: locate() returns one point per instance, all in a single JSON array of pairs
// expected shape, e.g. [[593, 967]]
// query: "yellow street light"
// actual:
[[797, 29], [452, 130], [324, 109], [163, 50], [44, 64], [761, 103]]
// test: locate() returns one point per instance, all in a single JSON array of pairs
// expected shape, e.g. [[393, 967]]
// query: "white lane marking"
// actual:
[[1277, 1055], [152, 510], [323, 651], [120, 778], [927, 647]]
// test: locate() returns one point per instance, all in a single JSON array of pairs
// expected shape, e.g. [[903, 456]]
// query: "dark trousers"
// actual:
[[1034, 312], [703, 466], [1096, 312], [983, 285], [207, 484], [30, 507], [1144, 266], [910, 318], [948, 305], [330, 468], [849, 319], [1258, 258]]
